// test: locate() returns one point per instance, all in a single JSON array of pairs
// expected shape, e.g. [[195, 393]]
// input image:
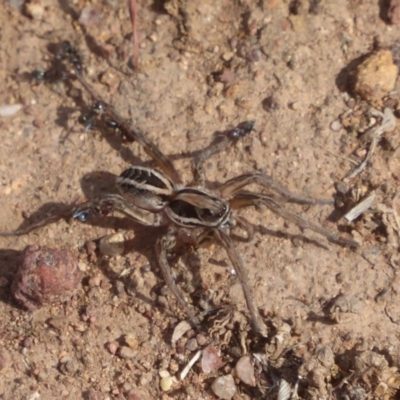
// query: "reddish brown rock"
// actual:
[[45, 276], [394, 12]]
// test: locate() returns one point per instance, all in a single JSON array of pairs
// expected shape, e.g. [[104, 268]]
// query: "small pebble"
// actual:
[[164, 373], [295, 105], [133, 395], [131, 341], [336, 125], [58, 322], [8, 110], [376, 76], [192, 345], [224, 387], [34, 10], [70, 367], [179, 331], [90, 16], [112, 347], [95, 281], [5, 359], [227, 56], [92, 394], [201, 339], [126, 353], [166, 383], [153, 37], [126, 387], [394, 12], [210, 360], [245, 371]]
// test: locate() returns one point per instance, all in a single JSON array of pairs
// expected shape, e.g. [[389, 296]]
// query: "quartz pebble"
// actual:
[[245, 371], [224, 387], [210, 360], [336, 125], [8, 110]]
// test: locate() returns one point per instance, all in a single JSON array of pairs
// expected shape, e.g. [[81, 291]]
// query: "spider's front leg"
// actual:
[[163, 245], [101, 206], [108, 112], [229, 189], [246, 199], [221, 141]]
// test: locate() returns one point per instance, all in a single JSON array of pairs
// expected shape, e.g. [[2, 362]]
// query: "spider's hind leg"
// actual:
[[246, 199], [229, 189], [165, 243]]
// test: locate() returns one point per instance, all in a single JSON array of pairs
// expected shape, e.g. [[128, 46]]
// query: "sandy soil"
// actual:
[[205, 66]]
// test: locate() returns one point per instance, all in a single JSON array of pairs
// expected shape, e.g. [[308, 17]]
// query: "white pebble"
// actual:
[[8, 110], [245, 371], [164, 373], [224, 387], [336, 125]]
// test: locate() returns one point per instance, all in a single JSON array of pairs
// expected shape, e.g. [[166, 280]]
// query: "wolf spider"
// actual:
[[157, 197]]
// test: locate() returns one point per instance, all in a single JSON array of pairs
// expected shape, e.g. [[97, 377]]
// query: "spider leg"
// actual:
[[225, 240], [163, 244], [234, 185], [47, 219], [105, 204], [246, 199], [162, 161], [220, 143], [245, 225]]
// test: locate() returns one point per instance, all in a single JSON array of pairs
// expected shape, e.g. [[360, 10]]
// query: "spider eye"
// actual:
[[83, 118], [223, 211], [235, 134], [39, 75], [112, 124], [99, 107], [81, 216]]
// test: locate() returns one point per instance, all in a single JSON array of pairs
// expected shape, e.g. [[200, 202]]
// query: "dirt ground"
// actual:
[[205, 66]]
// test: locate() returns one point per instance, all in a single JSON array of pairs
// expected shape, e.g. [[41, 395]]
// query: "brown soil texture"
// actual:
[[205, 66]]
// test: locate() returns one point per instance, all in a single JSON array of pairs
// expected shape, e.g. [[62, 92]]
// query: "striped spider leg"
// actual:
[[133, 133]]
